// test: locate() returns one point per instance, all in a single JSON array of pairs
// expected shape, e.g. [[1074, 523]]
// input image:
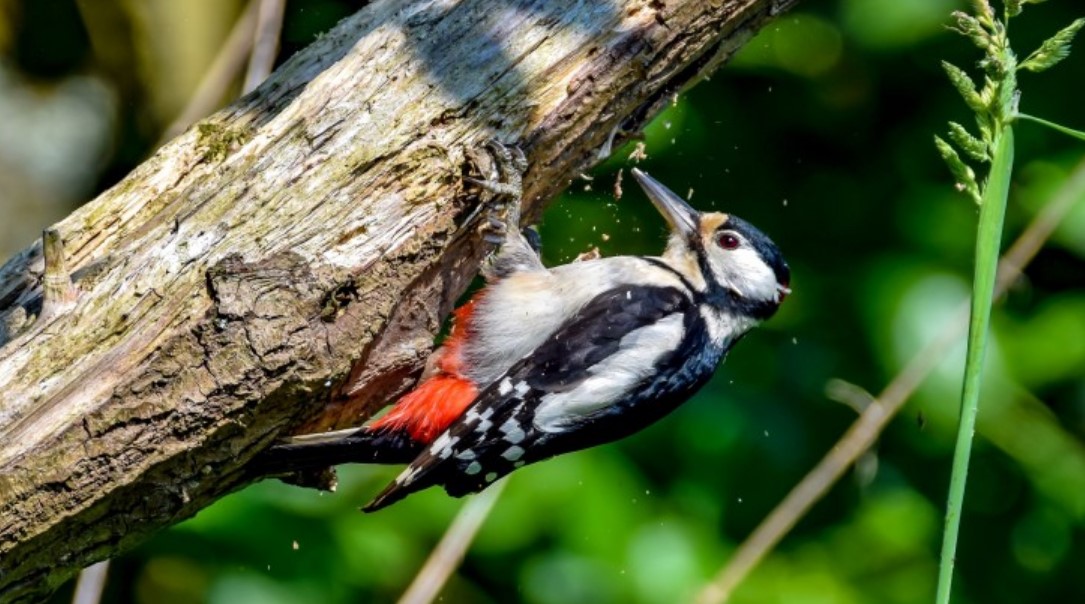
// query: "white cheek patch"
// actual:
[[744, 271]]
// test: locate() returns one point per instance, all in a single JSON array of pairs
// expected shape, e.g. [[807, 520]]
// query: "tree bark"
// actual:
[[284, 265]]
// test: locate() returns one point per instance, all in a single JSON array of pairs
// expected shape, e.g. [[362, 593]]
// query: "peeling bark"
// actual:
[[284, 265]]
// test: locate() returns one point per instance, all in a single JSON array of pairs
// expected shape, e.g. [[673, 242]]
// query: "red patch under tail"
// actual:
[[427, 410], [431, 407]]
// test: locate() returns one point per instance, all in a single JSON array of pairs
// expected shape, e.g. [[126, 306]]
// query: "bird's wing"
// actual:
[[606, 349]]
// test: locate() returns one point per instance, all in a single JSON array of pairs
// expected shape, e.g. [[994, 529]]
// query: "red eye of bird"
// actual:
[[728, 241]]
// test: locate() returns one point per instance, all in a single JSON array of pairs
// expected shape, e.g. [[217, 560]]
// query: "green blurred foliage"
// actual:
[[820, 134]]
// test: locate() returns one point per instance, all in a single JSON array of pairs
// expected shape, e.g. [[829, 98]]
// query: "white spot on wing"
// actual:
[[505, 387], [467, 455], [474, 468], [484, 422], [513, 453], [514, 433], [443, 445], [492, 476], [522, 388]]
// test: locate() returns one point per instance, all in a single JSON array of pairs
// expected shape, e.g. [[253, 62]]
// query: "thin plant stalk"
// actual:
[[1058, 127], [265, 43], [988, 241], [449, 553], [225, 67]]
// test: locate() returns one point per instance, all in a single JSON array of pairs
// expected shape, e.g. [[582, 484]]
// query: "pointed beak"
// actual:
[[682, 218]]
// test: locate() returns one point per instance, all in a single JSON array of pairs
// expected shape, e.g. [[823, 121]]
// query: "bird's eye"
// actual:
[[728, 241]]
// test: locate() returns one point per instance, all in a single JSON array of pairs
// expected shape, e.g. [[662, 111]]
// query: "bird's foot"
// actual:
[[502, 168]]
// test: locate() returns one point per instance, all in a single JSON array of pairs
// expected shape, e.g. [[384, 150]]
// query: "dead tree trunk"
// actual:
[[309, 237]]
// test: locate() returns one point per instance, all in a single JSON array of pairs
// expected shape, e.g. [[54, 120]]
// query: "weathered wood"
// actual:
[[284, 265]]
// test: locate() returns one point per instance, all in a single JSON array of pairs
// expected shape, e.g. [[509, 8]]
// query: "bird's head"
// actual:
[[729, 259]]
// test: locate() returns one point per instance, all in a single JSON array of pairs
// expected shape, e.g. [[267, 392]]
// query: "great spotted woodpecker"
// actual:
[[546, 361]]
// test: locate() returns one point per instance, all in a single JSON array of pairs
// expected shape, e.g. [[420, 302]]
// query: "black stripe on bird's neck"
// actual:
[[663, 265]]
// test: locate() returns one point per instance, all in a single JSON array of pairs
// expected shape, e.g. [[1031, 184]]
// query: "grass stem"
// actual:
[[988, 241]]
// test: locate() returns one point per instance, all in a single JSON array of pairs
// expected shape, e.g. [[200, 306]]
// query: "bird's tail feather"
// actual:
[[317, 451], [391, 494]]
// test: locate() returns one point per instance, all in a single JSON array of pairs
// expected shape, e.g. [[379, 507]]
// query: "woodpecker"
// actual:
[[545, 361]]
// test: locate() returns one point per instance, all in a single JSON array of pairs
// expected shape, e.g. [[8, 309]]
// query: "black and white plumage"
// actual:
[[587, 353], [544, 361]]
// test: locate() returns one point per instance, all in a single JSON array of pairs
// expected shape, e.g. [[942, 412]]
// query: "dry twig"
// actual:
[[223, 70], [448, 554], [265, 44]]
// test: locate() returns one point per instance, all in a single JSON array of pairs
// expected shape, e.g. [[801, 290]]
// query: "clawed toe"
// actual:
[[511, 160], [495, 186], [498, 171], [501, 177]]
